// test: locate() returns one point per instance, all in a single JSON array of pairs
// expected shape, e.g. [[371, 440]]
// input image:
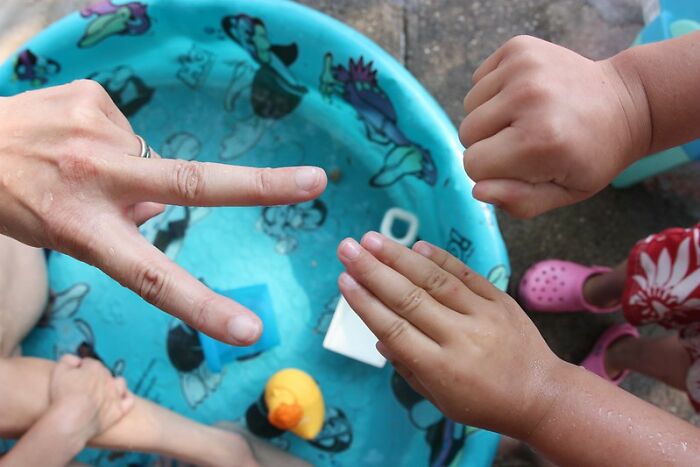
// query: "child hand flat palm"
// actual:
[[459, 341]]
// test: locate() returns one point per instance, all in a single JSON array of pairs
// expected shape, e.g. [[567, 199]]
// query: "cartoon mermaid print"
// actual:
[[259, 93]]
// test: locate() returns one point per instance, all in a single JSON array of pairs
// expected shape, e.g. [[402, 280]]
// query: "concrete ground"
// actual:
[[442, 42]]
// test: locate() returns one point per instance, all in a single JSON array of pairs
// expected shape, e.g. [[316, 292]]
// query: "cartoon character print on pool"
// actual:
[[444, 437], [128, 91], [358, 86], [459, 246], [261, 93], [336, 434], [499, 276], [195, 66], [320, 322], [283, 222], [75, 334], [167, 231], [110, 19], [34, 69], [185, 353]]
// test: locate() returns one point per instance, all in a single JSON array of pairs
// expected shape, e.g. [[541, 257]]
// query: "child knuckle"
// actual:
[[395, 332], [436, 280], [411, 301]]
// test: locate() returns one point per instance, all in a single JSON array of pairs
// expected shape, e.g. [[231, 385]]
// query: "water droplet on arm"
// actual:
[[46, 202]]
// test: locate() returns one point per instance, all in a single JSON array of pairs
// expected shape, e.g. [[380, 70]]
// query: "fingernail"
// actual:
[[422, 249], [243, 329], [381, 348], [347, 281], [307, 178], [373, 241], [350, 249]]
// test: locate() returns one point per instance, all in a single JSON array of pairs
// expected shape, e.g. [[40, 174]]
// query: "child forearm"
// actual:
[[592, 422], [662, 79], [52, 441], [146, 428]]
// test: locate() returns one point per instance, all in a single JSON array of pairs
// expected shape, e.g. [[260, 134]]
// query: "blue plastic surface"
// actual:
[[265, 83], [257, 299]]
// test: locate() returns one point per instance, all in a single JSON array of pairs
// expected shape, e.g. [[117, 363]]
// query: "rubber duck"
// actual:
[[295, 403]]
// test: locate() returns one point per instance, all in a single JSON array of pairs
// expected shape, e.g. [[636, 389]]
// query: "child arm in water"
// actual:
[[84, 400], [26, 397], [546, 127], [473, 352]]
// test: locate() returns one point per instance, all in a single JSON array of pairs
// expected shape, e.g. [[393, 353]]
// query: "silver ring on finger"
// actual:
[[145, 152]]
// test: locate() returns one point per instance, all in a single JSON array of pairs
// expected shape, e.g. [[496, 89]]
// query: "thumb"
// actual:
[[525, 200], [127, 403]]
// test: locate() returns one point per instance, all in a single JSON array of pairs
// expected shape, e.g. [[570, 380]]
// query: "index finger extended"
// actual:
[[193, 183], [142, 268]]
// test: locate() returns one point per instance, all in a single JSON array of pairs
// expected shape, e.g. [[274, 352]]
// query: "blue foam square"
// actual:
[[257, 299]]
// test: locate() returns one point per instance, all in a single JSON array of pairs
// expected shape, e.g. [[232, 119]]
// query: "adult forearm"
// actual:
[[592, 422], [662, 79]]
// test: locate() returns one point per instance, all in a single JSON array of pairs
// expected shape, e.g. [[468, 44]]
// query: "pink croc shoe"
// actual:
[[595, 362], [557, 286]]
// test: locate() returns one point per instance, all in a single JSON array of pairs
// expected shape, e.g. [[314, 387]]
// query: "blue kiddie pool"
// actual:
[[265, 83]]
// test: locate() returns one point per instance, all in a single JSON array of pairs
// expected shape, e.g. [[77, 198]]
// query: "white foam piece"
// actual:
[[347, 333], [349, 336]]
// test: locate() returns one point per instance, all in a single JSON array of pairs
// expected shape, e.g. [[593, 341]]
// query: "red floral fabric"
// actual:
[[663, 287]]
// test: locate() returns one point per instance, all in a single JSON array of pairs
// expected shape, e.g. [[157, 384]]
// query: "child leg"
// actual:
[[664, 358], [23, 292], [604, 290]]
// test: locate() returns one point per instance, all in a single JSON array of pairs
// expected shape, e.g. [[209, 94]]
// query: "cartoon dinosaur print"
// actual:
[[357, 85]]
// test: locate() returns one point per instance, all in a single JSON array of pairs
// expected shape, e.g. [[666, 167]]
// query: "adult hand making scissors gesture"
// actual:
[[75, 178]]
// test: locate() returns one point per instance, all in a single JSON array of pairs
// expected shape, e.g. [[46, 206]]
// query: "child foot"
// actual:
[[599, 361], [558, 286]]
